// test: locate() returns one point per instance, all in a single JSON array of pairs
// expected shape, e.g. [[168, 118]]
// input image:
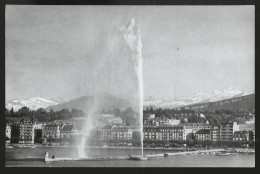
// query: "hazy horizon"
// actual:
[[186, 49]]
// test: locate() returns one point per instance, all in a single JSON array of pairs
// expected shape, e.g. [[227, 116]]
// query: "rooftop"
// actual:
[[51, 125], [67, 127], [203, 131]]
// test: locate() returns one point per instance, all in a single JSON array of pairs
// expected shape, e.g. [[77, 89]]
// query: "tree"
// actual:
[[129, 111], [190, 143], [190, 136], [41, 115], [50, 139], [78, 113], [15, 133], [38, 133], [12, 110], [7, 114], [52, 112], [117, 112], [136, 137], [151, 111]]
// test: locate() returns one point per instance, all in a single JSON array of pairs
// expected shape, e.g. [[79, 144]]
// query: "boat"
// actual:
[[224, 154], [137, 158], [9, 147]]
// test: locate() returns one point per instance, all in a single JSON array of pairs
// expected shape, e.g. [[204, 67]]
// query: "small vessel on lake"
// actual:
[[224, 154], [138, 158], [9, 147]]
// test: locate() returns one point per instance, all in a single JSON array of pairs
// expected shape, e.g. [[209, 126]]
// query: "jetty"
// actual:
[[47, 159], [213, 151], [137, 158]]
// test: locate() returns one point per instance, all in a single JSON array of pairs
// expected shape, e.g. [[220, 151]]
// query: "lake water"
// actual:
[[33, 157]]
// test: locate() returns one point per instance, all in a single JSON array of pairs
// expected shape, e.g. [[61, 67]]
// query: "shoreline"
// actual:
[[128, 148]]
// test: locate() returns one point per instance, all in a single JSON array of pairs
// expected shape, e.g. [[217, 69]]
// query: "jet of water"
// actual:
[[132, 37]]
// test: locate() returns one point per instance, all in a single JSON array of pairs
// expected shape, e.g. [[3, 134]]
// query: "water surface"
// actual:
[[33, 157]]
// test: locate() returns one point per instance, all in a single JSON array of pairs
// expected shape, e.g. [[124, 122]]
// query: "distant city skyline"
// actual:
[[186, 49]]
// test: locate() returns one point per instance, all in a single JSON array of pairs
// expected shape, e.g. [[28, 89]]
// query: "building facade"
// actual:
[[8, 131], [51, 131], [226, 132], [197, 126], [174, 122], [215, 133], [241, 136], [114, 132], [203, 134], [26, 132], [165, 133], [67, 131]]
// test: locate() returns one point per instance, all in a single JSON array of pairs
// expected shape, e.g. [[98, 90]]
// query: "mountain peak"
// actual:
[[151, 98], [197, 98], [232, 89], [58, 100], [216, 92], [33, 103]]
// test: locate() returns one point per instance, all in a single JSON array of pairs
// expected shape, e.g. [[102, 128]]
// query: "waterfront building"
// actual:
[[109, 119], [61, 122], [245, 127], [197, 126], [26, 135], [165, 133], [173, 122], [114, 132], [226, 132], [123, 132], [79, 123], [106, 132], [241, 136], [51, 130], [151, 116], [67, 130], [152, 133], [186, 132], [163, 121], [203, 134], [235, 127], [39, 126], [8, 131], [253, 130], [114, 120], [215, 133], [251, 121], [248, 128]]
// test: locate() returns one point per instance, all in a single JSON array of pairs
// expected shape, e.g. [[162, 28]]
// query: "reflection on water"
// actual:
[[27, 157]]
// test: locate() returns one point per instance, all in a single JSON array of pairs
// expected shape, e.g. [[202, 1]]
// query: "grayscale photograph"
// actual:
[[129, 86]]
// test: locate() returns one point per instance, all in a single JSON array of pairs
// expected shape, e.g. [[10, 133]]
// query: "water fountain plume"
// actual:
[[132, 37]]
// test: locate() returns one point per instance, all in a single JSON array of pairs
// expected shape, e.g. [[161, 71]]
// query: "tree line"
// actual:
[[129, 116], [217, 117], [41, 115]]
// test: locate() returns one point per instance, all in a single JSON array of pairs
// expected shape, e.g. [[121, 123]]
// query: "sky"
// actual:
[[70, 51]]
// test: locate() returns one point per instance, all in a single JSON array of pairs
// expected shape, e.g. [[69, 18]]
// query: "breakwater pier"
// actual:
[[148, 156]]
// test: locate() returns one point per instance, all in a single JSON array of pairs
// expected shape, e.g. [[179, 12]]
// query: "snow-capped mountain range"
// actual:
[[33, 103], [38, 102], [198, 98]]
